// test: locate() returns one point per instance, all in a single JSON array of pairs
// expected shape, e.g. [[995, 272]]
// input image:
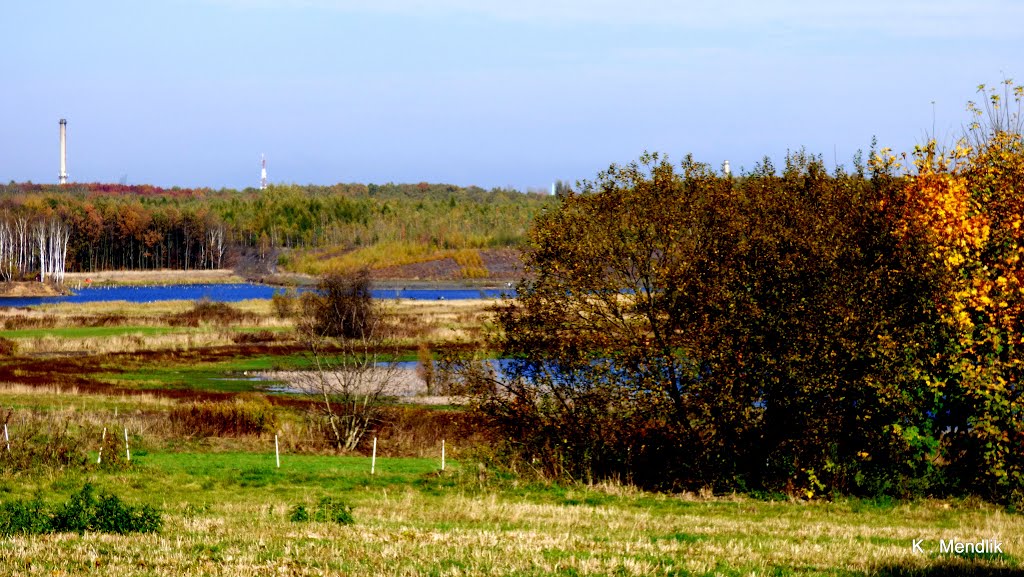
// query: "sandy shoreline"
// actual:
[[403, 384]]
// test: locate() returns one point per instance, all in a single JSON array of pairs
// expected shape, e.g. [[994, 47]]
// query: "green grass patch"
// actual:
[[93, 332], [222, 376]]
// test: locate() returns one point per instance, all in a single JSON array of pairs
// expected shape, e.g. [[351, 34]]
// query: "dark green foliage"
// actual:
[[77, 514], [327, 510], [299, 514], [24, 517], [113, 516], [331, 510], [83, 511], [688, 330]]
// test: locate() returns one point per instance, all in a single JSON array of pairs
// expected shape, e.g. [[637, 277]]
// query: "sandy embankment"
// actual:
[[27, 289], [403, 384]]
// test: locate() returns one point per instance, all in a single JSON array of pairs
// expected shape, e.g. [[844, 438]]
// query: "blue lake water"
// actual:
[[231, 293]]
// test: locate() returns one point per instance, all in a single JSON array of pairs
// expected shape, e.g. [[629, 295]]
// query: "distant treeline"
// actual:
[[144, 227]]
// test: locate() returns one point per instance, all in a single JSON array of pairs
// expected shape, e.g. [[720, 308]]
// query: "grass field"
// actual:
[[228, 514]]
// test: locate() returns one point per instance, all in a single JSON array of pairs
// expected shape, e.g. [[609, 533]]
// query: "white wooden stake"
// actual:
[[99, 457], [7, 439], [277, 452], [442, 454], [373, 459], [127, 452]]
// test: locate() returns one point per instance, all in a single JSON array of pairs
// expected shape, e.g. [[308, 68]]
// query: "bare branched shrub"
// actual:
[[353, 366], [349, 383]]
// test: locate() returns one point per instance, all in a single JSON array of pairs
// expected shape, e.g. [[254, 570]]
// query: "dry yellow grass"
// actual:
[[260, 307], [440, 322], [163, 276], [129, 327], [16, 394], [411, 533]]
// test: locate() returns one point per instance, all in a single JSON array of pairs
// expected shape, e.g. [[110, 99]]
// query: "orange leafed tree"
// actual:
[[969, 201]]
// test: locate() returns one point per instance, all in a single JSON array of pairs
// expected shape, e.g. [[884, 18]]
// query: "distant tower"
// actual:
[[62, 178], [263, 172], [725, 169]]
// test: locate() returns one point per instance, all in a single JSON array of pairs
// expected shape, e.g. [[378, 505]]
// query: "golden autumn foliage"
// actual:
[[969, 203]]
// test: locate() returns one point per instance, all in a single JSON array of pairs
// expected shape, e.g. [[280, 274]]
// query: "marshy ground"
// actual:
[[177, 378]]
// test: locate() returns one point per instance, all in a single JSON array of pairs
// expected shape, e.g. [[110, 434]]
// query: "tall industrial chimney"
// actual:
[[63, 177], [263, 172]]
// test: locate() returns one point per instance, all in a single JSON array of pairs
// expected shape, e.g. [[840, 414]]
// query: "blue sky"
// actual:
[[190, 92]]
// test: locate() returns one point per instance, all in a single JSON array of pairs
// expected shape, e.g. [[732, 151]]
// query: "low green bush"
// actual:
[[327, 510], [299, 514], [24, 517], [83, 511]]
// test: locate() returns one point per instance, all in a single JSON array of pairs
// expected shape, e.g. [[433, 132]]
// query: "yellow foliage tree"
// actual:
[[969, 200]]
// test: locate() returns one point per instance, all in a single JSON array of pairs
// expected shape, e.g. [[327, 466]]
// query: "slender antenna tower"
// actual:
[[62, 178], [263, 172]]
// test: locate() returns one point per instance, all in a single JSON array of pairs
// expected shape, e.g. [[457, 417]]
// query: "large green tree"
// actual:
[[685, 329]]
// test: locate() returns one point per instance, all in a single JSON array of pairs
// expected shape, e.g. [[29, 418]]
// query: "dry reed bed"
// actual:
[[438, 323], [60, 397], [163, 276], [133, 342], [410, 322], [260, 307]]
